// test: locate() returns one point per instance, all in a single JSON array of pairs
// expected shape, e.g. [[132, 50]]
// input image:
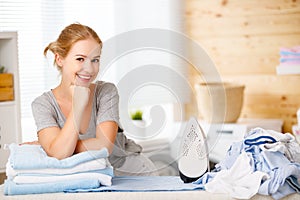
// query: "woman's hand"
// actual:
[[80, 99]]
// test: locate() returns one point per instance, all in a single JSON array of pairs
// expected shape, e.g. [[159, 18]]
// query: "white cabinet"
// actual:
[[10, 119]]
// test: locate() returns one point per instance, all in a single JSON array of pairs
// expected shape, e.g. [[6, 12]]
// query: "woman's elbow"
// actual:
[[58, 154], [110, 149]]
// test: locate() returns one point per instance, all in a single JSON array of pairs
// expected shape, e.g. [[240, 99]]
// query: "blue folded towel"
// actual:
[[34, 157], [285, 53], [11, 188], [289, 59], [120, 184]]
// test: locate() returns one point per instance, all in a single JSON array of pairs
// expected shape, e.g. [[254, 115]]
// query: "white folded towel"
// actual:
[[102, 178], [92, 165]]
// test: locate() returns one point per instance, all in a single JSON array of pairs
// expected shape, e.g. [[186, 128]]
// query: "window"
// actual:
[[149, 89], [39, 22]]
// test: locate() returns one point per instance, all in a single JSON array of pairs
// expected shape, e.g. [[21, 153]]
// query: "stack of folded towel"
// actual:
[[30, 170], [289, 60]]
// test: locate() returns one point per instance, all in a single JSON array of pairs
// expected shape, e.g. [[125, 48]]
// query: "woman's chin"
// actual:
[[83, 83]]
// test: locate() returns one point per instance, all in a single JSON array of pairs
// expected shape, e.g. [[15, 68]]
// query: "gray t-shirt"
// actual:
[[47, 113]]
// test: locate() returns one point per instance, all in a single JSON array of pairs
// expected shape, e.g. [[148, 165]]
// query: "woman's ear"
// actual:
[[58, 60]]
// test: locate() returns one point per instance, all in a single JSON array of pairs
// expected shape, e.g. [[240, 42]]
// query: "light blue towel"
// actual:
[[289, 59], [34, 157], [120, 184], [144, 184], [289, 52], [11, 188]]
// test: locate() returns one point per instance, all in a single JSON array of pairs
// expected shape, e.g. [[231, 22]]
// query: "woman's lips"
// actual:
[[84, 77]]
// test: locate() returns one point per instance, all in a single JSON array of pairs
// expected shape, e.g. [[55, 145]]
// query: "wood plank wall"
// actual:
[[244, 37]]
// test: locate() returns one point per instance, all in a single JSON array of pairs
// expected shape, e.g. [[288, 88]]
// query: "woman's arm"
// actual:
[[106, 133], [61, 143], [107, 115]]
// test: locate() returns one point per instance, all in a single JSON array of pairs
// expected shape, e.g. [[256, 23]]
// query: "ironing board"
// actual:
[[136, 192]]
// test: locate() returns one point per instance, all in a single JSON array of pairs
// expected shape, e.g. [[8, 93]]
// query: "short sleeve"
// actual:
[[44, 113], [107, 103]]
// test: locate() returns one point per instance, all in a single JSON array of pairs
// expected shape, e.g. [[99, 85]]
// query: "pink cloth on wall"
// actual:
[[295, 49]]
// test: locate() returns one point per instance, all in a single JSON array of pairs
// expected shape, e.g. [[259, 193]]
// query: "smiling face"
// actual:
[[81, 65]]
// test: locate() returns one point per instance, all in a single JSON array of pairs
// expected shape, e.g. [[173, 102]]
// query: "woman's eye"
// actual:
[[96, 60], [80, 59]]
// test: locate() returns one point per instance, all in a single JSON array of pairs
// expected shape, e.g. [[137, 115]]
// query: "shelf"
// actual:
[[7, 103], [288, 70], [10, 113]]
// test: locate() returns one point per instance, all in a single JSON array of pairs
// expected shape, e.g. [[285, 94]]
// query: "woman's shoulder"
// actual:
[[103, 86], [43, 98]]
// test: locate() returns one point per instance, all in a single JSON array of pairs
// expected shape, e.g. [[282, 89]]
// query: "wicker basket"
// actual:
[[220, 102]]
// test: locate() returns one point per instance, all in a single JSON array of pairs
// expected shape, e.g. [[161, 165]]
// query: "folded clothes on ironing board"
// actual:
[[96, 164], [34, 157], [30, 170]]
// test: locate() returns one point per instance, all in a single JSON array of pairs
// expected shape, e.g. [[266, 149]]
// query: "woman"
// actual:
[[79, 115]]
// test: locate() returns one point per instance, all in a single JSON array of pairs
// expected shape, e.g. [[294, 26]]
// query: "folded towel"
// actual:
[[290, 51], [92, 165], [102, 178], [34, 157], [107, 171], [287, 53], [30, 170], [290, 64], [120, 184], [293, 60], [11, 188], [290, 56]]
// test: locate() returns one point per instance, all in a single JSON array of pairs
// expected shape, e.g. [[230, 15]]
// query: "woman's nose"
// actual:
[[87, 66]]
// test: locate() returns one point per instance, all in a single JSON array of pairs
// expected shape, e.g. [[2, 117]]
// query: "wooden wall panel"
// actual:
[[244, 38], [264, 45], [246, 25], [239, 8]]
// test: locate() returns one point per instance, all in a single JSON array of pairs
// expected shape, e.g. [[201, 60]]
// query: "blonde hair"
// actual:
[[68, 37]]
